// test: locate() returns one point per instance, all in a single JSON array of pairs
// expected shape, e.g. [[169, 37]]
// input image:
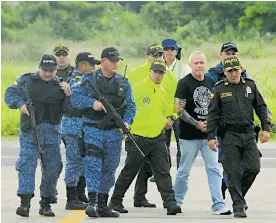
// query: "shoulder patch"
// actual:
[[22, 79]]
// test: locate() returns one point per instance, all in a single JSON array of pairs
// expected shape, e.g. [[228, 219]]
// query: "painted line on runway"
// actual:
[[74, 217]]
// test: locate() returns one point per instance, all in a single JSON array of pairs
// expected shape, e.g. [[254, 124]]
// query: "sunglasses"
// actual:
[[158, 55], [232, 70], [169, 48], [62, 53]]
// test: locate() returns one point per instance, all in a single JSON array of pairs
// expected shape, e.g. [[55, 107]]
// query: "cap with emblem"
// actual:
[[111, 53], [231, 62], [48, 62], [88, 57], [155, 49], [60, 47], [229, 46], [158, 65]]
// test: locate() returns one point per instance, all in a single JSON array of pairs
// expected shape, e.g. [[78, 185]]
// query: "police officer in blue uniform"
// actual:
[[50, 100], [71, 130], [103, 145]]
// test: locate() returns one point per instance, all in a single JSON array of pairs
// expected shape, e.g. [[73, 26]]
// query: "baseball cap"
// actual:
[[231, 62], [48, 62], [111, 53], [229, 46], [158, 65], [170, 43], [154, 49], [60, 46], [86, 56]]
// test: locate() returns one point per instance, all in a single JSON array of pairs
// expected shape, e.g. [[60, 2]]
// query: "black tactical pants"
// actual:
[[141, 185], [156, 153], [176, 130], [240, 148]]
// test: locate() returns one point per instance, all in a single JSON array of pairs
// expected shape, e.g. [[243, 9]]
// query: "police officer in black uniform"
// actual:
[[233, 102], [61, 52]]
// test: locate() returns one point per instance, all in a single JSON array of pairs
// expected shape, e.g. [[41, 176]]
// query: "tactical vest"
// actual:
[[47, 98], [220, 73], [113, 91], [66, 73], [72, 111]]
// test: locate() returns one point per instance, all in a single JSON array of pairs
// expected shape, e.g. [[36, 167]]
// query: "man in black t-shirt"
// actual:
[[195, 90]]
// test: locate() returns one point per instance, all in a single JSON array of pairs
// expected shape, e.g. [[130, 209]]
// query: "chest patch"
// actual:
[[225, 94]]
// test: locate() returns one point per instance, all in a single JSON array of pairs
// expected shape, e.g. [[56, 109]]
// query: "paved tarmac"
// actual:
[[261, 198]]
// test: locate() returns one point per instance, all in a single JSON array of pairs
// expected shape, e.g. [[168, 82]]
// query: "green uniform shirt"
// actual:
[[151, 108]]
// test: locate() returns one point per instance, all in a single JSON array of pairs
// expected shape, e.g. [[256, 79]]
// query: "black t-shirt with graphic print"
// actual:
[[197, 93]]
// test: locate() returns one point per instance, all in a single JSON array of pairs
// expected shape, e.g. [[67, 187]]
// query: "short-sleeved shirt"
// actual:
[[197, 93]]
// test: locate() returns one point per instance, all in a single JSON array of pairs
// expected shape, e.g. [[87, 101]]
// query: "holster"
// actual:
[[81, 146], [257, 130], [25, 126]]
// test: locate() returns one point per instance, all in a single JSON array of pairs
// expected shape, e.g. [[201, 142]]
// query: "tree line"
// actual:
[[79, 21]]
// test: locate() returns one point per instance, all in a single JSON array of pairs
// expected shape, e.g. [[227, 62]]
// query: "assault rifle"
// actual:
[[31, 110], [113, 114]]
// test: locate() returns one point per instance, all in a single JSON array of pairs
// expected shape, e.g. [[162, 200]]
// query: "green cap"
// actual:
[[60, 47], [158, 65], [231, 62]]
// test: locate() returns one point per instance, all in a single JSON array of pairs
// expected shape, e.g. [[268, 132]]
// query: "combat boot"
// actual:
[[91, 209], [81, 190], [103, 209], [45, 207], [73, 203], [24, 208], [239, 213], [173, 209]]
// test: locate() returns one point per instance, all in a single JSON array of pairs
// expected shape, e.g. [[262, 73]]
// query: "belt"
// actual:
[[106, 127], [239, 129]]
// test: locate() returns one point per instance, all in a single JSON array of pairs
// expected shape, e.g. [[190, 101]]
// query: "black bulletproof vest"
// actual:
[[113, 91], [48, 100]]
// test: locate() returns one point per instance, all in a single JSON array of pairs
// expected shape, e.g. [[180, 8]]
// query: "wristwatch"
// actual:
[[172, 117]]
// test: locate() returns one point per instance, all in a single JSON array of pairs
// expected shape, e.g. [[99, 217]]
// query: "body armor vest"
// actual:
[[113, 91], [47, 98]]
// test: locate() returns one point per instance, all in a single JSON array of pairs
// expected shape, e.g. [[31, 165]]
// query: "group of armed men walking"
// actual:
[[91, 111]]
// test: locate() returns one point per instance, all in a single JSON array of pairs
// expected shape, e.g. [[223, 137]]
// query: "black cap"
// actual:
[[229, 46], [111, 54], [48, 62], [154, 49], [158, 65], [88, 57], [60, 47], [231, 62]]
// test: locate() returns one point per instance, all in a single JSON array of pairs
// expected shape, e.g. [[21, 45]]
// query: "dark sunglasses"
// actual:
[[158, 55], [169, 48], [230, 71], [63, 53]]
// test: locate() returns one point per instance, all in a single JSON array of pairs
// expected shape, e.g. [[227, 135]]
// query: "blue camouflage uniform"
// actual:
[[100, 172], [217, 77], [49, 138], [71, 130]]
